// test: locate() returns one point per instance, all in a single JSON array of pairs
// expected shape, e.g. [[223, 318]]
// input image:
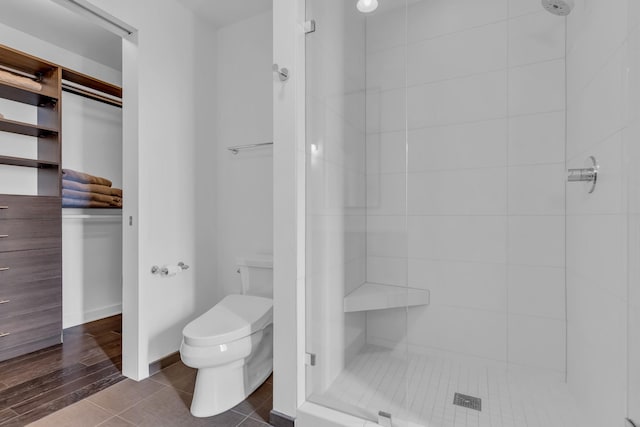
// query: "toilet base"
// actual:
[[218, 389], [239, 368]]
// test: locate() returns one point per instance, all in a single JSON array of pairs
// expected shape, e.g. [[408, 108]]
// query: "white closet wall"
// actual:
[[91, 238]]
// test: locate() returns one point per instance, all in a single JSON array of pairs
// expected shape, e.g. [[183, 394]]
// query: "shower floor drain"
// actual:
[[467, 401]]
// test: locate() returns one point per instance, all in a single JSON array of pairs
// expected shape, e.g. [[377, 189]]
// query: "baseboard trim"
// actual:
[[277, 419], [75, 319], [158, 365]]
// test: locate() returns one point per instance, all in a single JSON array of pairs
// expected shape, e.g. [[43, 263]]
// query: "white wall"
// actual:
[[207, 201], [600, 272], [484, 152], [170, 73], [244, 181]]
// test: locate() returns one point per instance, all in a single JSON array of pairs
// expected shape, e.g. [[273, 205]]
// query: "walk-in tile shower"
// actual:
[[454, 275]]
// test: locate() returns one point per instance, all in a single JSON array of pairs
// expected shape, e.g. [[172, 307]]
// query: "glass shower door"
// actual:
[[631, 138], [356, 263]]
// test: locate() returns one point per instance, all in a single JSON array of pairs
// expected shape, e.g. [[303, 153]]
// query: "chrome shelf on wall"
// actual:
[[236, 149]]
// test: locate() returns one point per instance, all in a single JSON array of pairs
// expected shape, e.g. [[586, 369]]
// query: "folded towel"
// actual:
[[84, 178], [78, 203], [16, 80], [83, 195], [89, 188]]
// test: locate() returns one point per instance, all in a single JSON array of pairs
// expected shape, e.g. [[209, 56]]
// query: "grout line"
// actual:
[[243, 420], [111, 418], [507, 234], [380, 90], [465, 168], [467, 122], [566, 163], [506, 20]]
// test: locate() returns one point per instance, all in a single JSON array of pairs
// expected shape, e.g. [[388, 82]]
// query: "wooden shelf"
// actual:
[[31, 163], [24, 62], [26, 128], [374, 296], [91, 82], [110, 214], [26, 96]]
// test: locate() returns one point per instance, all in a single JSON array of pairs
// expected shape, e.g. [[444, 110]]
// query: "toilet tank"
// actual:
[[256, 274]]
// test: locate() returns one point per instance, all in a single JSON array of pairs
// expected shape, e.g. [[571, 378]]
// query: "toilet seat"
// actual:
[[233, 318]]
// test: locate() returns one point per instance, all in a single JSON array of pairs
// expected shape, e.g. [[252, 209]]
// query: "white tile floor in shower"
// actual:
[[516, 397]]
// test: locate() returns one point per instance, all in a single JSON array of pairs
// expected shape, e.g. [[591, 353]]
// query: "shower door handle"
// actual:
[[584, 174], [587, 174]]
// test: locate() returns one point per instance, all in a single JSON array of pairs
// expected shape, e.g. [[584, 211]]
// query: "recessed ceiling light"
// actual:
[[366, 6]]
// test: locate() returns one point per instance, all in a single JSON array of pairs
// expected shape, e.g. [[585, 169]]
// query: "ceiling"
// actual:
[[49, 21], [224, 12]]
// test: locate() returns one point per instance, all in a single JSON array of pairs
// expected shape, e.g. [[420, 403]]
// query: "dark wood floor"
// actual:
[[37, 384]]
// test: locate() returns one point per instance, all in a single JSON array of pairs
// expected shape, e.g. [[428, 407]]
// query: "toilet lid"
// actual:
[[235, 317]]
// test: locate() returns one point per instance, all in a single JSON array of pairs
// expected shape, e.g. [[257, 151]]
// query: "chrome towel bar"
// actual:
[[236, 149]]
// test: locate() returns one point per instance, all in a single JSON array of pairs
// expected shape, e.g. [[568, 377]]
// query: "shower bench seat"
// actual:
[[374, 296]]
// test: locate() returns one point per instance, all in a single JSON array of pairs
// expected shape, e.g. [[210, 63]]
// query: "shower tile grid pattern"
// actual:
[[515, 397], [162, 400]]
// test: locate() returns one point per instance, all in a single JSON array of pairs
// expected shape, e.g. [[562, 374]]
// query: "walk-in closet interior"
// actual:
[[61, 111]]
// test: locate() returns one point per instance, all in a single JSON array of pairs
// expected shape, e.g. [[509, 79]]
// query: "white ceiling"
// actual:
[[225, 12], [49, 21]]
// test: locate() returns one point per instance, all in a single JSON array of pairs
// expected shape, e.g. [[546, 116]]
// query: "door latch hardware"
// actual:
[[310, 359], [310, 26]]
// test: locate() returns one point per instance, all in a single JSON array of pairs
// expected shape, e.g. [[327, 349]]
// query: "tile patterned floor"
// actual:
[[162, 400], [420, 393]]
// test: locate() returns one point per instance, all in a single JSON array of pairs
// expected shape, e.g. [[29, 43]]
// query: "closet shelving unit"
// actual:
[[53, 79], [47, 128], [31, 225]]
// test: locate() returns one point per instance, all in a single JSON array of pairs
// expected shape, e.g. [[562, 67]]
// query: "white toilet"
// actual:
[[231, 345]]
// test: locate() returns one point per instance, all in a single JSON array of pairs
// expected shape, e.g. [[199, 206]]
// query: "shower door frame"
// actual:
[[289, 208]]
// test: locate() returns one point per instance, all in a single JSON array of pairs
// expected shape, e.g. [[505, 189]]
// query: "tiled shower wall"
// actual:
[[484, 116]]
